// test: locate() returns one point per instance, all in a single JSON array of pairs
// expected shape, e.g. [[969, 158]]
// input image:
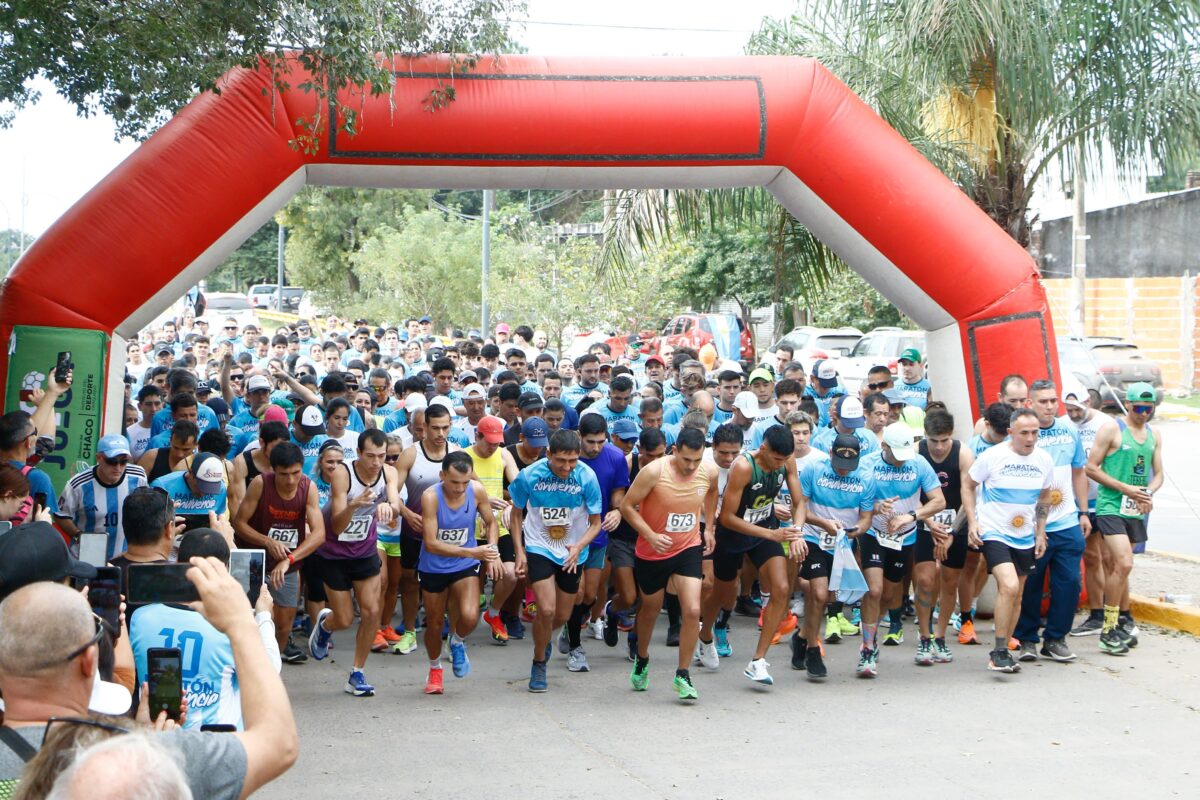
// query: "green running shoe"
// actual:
[[684, 687], [639, 680]]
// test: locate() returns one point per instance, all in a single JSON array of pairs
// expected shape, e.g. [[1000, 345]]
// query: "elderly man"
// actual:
[[49, 656]]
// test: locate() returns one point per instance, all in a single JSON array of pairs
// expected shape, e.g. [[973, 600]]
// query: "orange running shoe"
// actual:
[[966, 634], [499, 630], [434, 684], [1013, 644], [529, 612], [787, 626], [389, 634], [380, 644]]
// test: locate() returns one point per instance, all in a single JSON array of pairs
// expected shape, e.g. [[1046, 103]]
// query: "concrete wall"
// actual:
[[1155, 238], [1157, 314]]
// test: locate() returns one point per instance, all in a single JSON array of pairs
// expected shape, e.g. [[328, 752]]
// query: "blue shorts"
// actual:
[[595, 559]]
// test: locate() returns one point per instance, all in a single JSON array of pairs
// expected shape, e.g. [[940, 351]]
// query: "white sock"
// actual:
[[455, 638], [435, 663]]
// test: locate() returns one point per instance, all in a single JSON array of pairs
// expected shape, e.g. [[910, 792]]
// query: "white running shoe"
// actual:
[[706, 654], [597, 629], [756, 671]]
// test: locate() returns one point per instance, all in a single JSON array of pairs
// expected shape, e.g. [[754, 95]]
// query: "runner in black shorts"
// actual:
[[748, 528]]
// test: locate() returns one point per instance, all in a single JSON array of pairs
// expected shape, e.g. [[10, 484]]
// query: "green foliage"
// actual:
[[10, 249], [851, 301], [328, 226], [256, 261], [142, 61]]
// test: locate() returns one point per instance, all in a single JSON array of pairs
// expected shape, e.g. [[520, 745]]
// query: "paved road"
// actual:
[[1102, 727], [1175, 522]]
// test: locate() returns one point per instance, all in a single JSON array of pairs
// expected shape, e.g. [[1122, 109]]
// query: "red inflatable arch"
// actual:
[[202, 184]]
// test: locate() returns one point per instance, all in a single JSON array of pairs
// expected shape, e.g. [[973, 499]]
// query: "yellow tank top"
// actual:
[[489, 472]]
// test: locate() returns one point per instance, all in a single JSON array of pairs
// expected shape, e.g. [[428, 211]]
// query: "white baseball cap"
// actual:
[[415, 402], [747, 403], [899, 437], [1074, 394], [257, 383], [312, 421], [443, 401], [209, 472], [473, 390]]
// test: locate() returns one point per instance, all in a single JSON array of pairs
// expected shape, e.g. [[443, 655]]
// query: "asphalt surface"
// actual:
[[1100, 727]]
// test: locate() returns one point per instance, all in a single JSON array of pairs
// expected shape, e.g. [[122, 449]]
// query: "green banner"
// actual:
[[33, 352]]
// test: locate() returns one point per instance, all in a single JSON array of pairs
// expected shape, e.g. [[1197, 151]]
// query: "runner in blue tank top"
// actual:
[[448, 567]]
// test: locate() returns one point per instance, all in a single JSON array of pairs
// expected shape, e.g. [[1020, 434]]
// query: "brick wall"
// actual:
[[1157, 314]]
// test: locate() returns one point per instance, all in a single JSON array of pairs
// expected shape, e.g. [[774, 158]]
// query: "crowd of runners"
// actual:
[[407, 485]]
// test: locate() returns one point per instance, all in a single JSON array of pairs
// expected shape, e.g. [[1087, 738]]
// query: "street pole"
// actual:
[[279, 270], [487, 263], [1079, 239]]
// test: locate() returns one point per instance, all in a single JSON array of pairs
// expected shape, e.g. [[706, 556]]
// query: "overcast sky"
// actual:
[[50, 157]]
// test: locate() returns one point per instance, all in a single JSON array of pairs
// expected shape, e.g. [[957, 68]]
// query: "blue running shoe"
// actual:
[[514, 626], [537, 677], [856, 616], [357, 685], [318, 640], [724, 648], [459, 660], [632, 657], [302, 624], [546, 655], [445, 627]]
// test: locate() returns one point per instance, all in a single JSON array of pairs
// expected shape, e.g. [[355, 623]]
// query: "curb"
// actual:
[[1184, 619], [1174, 556], [1177, 412]]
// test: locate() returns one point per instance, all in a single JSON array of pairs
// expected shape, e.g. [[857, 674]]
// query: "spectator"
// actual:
[[14, 492], [45, 672], [134, 765]]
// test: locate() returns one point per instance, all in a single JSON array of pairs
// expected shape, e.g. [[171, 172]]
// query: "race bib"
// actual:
[[785, 500], [828, 540], [454, 536], [557, 521], [1128, 507], [892, 541], [358, 529], [757, 515], [681, 523], [946, 517], [288, 537]]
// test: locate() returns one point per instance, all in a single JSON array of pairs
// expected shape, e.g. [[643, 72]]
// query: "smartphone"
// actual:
[[218, 727], [164, 674], [93, 548], [160, 583], [249, 568], [63, 366], [39, 502], [104, 593]]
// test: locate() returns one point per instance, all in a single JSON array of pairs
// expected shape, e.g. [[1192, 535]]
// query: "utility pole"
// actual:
[[1079, 239], [279, 269], [484, 323]]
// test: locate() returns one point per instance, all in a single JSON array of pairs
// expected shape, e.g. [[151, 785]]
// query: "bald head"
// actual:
[[40, 625]]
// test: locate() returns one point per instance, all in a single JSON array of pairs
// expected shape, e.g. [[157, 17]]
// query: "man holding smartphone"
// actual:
[[198, 490], [281, 514], [92, 500]]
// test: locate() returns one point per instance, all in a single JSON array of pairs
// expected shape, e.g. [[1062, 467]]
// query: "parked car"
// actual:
[[696, 330], [878, 346], [809, 344], [266, 295], [1108, 365], [222, 305]]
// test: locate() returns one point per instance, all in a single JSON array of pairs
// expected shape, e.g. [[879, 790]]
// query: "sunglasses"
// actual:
[[876, 386], [102, 628], [120, 461], [237, 377], [392, 459], [1142, 409], [91, 723]]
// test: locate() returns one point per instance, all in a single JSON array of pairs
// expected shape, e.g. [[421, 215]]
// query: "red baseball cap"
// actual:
[[491, 429]]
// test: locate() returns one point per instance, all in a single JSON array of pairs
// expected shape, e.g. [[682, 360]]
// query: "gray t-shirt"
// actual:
[[214, 763]]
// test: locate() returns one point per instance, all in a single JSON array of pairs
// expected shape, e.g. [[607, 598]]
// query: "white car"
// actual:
[[809, 344], [223, 305], [879, 347]]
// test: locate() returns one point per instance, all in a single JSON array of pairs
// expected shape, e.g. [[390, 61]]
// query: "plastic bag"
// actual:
[[846, 579]]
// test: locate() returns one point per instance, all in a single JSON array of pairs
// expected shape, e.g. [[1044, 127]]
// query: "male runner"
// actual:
[[901, 477], [1089, 422], [555, 516], [787, 400], [417, 469], [950, 459], [448, 567], [664, 507], [365, 492], [1126, 461], [494, 468], [914, 387], [1008, 522], [1067, 526], [281, 514], [727, 444], [837, 495], [748, 527]]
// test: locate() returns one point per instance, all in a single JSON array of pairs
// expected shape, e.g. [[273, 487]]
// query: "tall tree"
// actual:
[[142, 61]]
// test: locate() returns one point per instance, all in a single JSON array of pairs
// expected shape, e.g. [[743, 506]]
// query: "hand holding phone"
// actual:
[[93, 548], [164, 674], [104, 594], [160, 583]]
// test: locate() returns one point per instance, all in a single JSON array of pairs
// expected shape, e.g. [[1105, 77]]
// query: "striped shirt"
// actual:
[[95, 507], [1009, 487]]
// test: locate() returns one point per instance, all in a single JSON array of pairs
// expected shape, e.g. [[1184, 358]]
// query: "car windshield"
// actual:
[[263, 290], [1115, 352], [796, 340], [832, 343], [229, 303], [868, 346]]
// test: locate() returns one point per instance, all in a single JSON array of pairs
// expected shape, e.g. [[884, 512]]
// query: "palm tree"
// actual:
[[993, 92]]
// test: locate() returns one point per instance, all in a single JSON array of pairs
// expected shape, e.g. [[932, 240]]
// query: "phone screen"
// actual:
[[248, 567], [93, 548], [164, 674], [160, 583], [104, 593]]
